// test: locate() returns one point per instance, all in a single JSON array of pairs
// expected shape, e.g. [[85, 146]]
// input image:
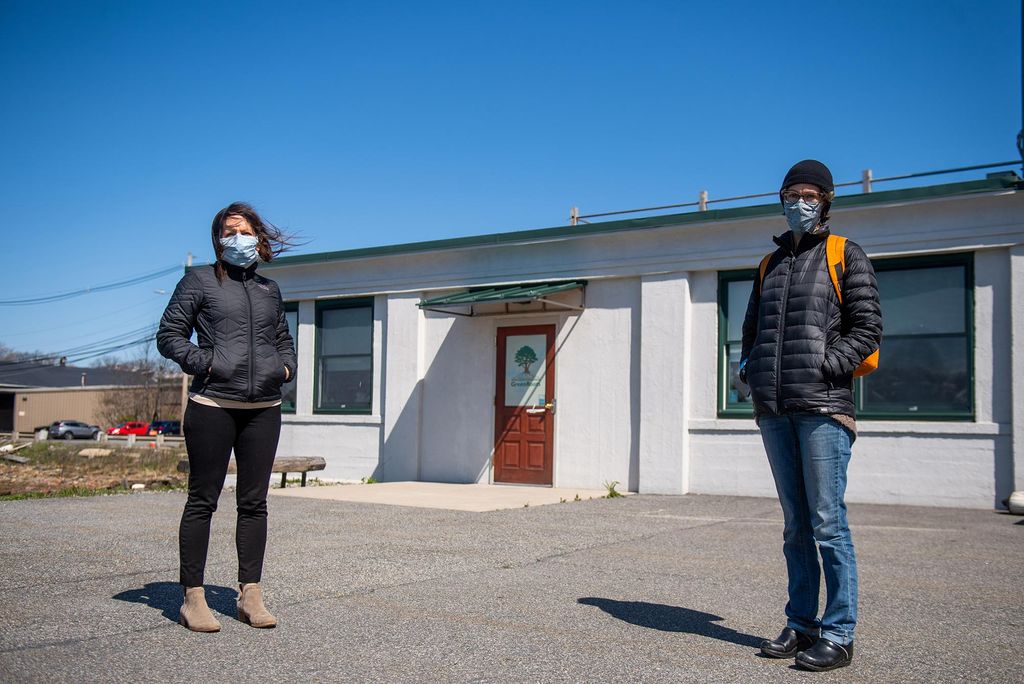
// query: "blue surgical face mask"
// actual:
[[802, 217], [240, 250]]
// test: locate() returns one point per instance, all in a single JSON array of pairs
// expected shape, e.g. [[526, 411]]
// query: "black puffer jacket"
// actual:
[[801, 346], [244, 343]]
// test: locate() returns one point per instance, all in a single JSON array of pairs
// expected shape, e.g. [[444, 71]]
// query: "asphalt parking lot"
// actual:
[[644, 588]]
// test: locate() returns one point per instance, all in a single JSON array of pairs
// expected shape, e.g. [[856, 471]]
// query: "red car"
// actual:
[[129, 428]]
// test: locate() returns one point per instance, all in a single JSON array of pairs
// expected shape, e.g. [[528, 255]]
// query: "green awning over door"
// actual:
[[508, 294]]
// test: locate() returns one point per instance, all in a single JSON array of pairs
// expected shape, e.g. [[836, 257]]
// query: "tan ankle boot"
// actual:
[[195, 614], [251, 609]]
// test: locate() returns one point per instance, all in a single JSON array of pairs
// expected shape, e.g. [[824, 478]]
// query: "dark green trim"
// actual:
[[725, 410], [286, 407], [328, 305], [510, 293], [911, 336], [965, 259], [563, 232]]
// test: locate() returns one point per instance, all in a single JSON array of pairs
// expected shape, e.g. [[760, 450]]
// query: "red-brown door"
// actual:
[[524, 405]]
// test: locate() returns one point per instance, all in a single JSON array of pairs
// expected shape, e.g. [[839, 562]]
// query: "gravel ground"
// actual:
[[644, 588]]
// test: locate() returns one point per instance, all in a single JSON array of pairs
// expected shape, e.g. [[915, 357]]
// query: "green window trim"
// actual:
[[288, 406], [725, 408], [964, 259], [330, 305]]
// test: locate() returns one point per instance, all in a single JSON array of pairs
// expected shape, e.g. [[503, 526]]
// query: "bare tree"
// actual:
[[10, 354], [157, 396]]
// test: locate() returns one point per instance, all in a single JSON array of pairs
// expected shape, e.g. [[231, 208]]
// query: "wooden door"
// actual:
[[524, 405]]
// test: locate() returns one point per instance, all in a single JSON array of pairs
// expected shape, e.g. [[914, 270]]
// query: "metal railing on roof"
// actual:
[[866, 182]]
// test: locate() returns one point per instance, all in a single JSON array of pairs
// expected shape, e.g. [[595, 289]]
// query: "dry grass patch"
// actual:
[[59, 469]]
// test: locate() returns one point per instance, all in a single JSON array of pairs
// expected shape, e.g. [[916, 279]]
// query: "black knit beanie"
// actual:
[[810, 171]]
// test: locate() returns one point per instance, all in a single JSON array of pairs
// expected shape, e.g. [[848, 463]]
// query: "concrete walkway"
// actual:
[[452, 497], [635, 589]]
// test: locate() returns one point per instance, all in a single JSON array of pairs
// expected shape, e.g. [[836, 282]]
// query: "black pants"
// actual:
[[211, 433]]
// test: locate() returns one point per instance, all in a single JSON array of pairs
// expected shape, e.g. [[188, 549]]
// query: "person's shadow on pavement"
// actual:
[[671, 619], [166, 597]]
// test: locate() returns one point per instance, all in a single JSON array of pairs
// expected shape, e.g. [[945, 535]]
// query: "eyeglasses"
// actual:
[[810, 196]]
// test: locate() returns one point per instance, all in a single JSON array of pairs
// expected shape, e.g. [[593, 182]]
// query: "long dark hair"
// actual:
[[271, 240]]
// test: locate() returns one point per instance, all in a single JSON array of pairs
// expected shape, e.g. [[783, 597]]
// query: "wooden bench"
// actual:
[[283, 465]]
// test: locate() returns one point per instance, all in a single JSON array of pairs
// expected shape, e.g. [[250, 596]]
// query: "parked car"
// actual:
[[129, 428], [72, 429], [165, 427]]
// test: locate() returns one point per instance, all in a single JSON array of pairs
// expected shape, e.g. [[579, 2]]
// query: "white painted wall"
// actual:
[[403, 390], [597, 386], [1016, 342], [458, 398], [636, 378], [962, 223], [349, 443], [666, 350], [916, 463], [923, 463]]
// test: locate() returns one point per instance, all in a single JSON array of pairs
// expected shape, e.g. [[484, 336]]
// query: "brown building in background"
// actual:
[[34, 395]]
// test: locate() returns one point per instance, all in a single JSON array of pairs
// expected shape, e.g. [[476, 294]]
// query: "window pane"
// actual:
[[920, 375], [288, 389], [345, 382], [739, 295], [736, 393], [922, 300], [346, 331]]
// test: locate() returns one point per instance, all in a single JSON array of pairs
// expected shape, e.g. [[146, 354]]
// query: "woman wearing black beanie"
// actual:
[[804, 336]]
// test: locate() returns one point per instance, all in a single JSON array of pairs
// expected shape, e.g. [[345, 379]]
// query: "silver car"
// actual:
[[71, 429]]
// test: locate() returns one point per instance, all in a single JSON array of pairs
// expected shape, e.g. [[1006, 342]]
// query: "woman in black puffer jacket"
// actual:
[[801, 346], [244, 354]]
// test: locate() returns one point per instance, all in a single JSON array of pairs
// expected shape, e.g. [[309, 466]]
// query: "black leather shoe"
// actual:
[[825, 655], [787, 644]]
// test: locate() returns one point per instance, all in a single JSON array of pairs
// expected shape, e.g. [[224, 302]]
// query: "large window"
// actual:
[[926, 361], [925, 366], [733, 293], [291, 315], [344, 356]]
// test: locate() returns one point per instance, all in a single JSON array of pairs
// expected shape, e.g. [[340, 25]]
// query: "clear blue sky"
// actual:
[[126, 125]]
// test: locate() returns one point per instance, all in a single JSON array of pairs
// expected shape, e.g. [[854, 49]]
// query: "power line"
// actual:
[[149, 301], [114, 339], [108, 350], [12, 370], [88, 290], [134, 337]]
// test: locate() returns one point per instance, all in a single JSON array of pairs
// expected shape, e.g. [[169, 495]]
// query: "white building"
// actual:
[[620, 339]]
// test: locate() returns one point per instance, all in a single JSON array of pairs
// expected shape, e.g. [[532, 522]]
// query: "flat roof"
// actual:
[[15, 375], [994, 183]]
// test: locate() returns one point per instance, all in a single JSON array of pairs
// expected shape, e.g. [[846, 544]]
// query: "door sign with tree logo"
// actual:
[[524, 370]]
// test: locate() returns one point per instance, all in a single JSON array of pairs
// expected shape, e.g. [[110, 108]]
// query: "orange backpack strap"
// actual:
[[835, 251], [762, 268]]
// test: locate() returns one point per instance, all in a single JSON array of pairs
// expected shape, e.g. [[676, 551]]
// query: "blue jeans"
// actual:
[[809, 455]]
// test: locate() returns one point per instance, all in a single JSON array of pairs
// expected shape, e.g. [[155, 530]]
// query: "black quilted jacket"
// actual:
[[244, 343], [801, 346]]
